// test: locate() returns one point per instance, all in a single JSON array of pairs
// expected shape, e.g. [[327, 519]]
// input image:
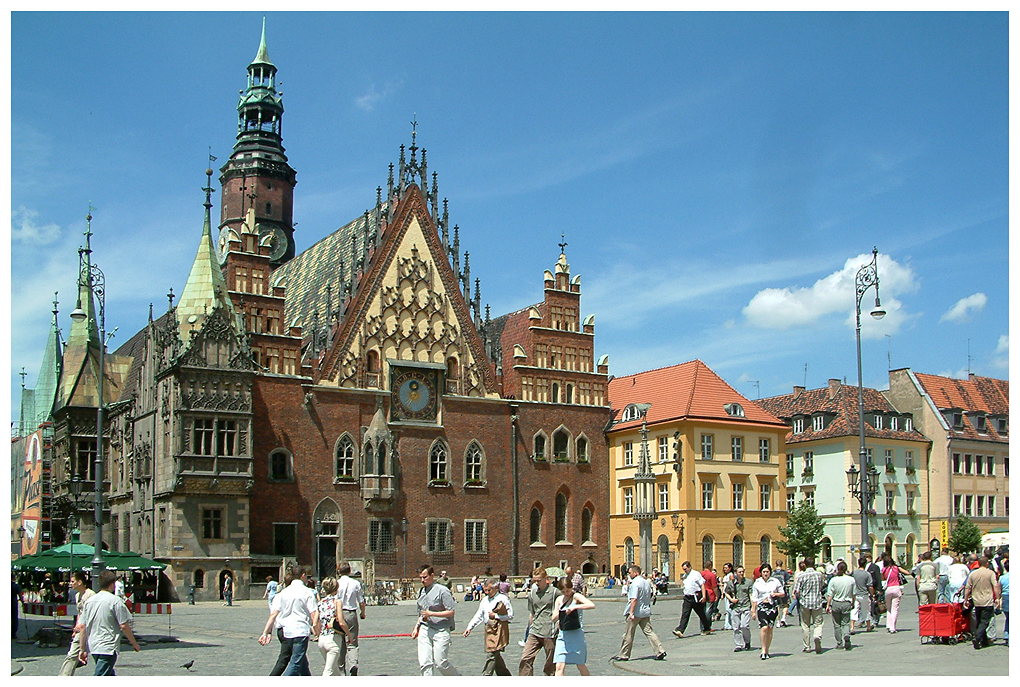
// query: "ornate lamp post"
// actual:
[[644, 485], [403, 530], [21, 541], [93, 277], [867, 276]]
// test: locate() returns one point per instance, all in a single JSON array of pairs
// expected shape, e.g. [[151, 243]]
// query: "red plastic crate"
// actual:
[[941, 620]]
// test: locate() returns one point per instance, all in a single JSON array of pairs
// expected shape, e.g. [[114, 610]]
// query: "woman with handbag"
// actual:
[[765, 595], [570, 643], [894, 578], [330, 623]]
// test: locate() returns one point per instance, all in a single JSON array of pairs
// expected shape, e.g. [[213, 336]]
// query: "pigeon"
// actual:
[[188, 665]]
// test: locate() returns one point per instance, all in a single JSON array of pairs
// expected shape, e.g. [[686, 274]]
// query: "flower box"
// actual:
[[807, 474], [475, 483], [345, 480], [439, 482], [911, 470], [538, 458], [890, 468]]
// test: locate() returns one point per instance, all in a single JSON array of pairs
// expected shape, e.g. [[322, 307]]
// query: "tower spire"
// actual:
[[263, 54]]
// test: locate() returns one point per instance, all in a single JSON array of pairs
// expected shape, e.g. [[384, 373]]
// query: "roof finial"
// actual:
[[414, 129], [170, 296], [22, 374], [263, 54], [55, 301], [563, 244]]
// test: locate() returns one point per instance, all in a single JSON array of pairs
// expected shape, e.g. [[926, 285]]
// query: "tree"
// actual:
[[965, 537], [803, 532]]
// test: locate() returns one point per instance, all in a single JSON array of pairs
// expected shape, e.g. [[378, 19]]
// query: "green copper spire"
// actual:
[[263, 55]]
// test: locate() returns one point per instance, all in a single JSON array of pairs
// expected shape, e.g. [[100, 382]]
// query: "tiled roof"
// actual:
[[689, 390], [135, 348], [977, 394], [838, 400], [307, 274]]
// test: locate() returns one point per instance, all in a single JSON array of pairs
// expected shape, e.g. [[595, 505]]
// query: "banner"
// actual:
[[31, 513], [944, 533]]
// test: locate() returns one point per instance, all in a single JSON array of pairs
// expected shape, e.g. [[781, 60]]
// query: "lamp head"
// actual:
[[78, 315], [879, 312]]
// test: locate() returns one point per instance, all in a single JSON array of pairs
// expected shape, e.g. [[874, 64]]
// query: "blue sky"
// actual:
[[719, 177]]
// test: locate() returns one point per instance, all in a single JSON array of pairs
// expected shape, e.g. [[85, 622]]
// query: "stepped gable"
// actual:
[[689, 390], [841, 402], [307, 275], [977, 394]]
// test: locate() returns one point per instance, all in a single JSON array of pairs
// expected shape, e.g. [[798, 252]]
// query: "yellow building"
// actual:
[[724, 498]]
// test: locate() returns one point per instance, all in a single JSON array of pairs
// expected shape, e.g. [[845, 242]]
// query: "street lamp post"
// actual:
[[93, 277], [867, 276], [76, 485], [403, 530], [644, 485], [21, 541]]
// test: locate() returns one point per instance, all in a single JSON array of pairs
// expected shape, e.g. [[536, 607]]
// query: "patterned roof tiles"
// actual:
[[973, 395], [686, 391]]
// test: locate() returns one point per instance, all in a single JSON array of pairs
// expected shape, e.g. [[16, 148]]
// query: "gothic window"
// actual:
[[202, 442], [561, 444], [540, 446], [536, 525], [369, 458], [582, 450], [438, 459], [474, 462], [555, 393], [289, 362], [381, 457], [280, 466], [438, 537], [373, 360], [586, 526], [569, 394], [561, 517], [345, 458], [452, 368], [475, 536]]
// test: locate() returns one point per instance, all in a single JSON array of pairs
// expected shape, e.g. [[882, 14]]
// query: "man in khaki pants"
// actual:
[[541, 628], [71, 663], [639, 612], [809, 588]]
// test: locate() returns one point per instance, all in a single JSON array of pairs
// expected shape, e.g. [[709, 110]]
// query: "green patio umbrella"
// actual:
[[60, 559]]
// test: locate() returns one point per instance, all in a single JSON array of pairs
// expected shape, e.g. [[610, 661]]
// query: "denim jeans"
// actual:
[[283, 660], [298, 657], [104, 663]]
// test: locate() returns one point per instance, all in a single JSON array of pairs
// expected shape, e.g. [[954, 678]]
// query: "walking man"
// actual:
[[927, 576], [639, 614], [840, 602], [943, 562], [436, 607], [694, 599], [738, 592], [351, 599], [84, 592], [495, 612], [864, 589], [808, 588], [542, 635], [103, 620], [712, 590], [984, 591], [781, 574], [228, 590], [296, 612]]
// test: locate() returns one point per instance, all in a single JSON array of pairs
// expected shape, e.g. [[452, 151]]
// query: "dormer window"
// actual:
[[958, 420], [1002, 429], [631, 412], [734, 409], [879, 421], [894, 423], [908, 424], [798, 425], [982, 423], [818, 423]]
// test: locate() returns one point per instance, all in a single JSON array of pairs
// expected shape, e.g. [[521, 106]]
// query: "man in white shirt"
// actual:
[[71, 661], [493, 601], [943, 562], [103, 620], [638, 614], [351, 599], [694, 598], [296, 611]]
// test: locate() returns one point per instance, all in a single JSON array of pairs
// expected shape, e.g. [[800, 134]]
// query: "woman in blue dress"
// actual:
[[570, 644]]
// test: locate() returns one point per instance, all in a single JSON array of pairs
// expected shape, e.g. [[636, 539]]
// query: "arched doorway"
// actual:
[[825, 552], [326, 526], [665, 557], [223, 578]]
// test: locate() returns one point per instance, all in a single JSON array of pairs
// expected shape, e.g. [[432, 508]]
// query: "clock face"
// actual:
[[277, 241], [221, 245], [414, 394]]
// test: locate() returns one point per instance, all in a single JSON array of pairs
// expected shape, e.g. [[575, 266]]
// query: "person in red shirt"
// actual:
[[712, 589], [756, 574]]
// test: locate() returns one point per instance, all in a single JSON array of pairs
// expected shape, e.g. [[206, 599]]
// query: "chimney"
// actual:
[[797, 391], [834, 385]]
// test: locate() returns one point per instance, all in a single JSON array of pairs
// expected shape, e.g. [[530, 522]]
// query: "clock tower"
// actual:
[[257, 178]]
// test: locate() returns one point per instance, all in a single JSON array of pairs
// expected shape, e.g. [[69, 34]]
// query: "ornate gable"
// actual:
[[411, 311]]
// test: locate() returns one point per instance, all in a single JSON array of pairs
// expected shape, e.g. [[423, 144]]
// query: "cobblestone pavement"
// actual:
[[223, 641]]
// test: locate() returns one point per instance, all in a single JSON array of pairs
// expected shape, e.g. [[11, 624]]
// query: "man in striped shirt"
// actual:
[[808, 589]]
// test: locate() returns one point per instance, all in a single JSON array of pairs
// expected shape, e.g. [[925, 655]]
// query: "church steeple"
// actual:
[[257, 176]]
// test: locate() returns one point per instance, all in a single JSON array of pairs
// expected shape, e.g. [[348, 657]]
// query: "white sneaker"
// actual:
[[520, 642]]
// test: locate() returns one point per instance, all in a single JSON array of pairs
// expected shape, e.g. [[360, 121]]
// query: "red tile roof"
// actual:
[[977, 394], [840, 401], [689, 390]]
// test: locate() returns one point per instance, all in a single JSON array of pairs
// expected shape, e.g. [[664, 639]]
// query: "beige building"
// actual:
[[717, 459], [967, 421]]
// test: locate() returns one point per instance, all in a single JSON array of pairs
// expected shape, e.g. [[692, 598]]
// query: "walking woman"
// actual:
[[891, 573], [726, 577], [570, 644], [765, 594], [327, 615]]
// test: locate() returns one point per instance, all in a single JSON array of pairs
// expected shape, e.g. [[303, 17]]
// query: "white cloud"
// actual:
[[1003, 346], [25, 230], [971, 305], [789, 307], [1000, 359], [373, 97]]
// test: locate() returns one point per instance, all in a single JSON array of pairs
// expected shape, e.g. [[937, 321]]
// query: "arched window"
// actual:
[[561, 445], [540, 446], [765, 554], [825, 552], [438, 458], [369, 458], [628, 552], [910, 548], [373, 360], [662, 544], [555, 392], [536, 525], [280, 467], [582, 450], [738, 551], [561, 517], [452, 368], [707, 551], [345, 462], [198, 578], [381, 454], [473, 463], [568, 396], [586, 518]]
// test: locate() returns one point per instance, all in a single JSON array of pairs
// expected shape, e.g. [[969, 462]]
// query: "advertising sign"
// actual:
[[31, 513]]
